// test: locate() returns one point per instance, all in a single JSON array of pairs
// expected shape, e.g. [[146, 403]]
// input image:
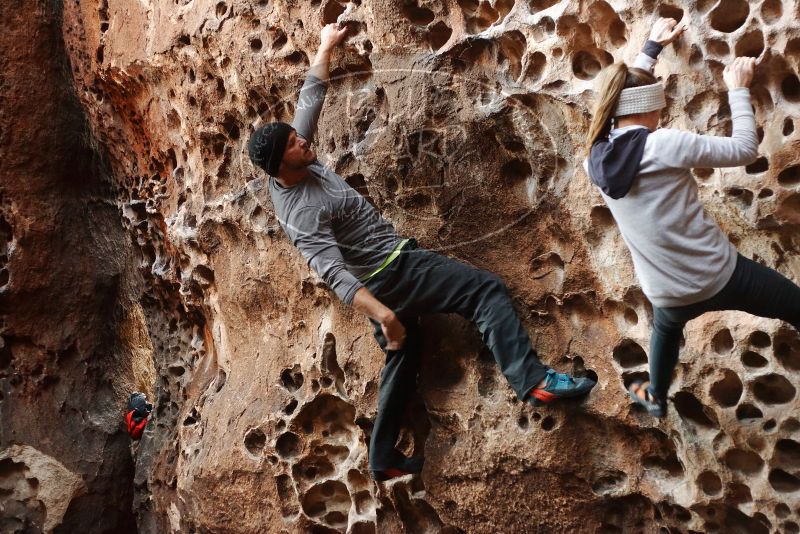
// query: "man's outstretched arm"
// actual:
[[312, 95], [331, 36]]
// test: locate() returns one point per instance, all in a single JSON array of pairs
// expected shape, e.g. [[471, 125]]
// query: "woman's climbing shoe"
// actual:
[[653, 405], [559, 386], [406, 466]]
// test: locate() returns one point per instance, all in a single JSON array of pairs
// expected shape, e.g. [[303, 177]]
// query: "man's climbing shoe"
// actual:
[[406, 466], [559, 386], [653, 405]]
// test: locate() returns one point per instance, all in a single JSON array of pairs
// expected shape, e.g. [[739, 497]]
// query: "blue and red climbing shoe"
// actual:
[[560, 386]]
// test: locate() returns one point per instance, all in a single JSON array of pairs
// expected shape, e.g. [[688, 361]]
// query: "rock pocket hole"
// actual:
[[782, 511], [752, 44], [773, 389], [786, 347], [288, 445], [745, 196], [256, 45], [523, 422], [292, 379], [690, 408], [748, 412], [709, 483], [328, 502], [609, 483], [753, 359], [331, 12], [287, 494], [722, 342], [601, 216], [536, 65], [669, 464], [438, 35], [290, 408], [790, 176], [254, 441], [771, 10], [783, 482], [729, 15], [759, 339], [790, 425], [417, 15], [758, 166], [548, 423], [718, 47], [512, 46], [736, 492], [788, 126], [787, 454], [790, 87], [516, 170], [297, 57], [670, 12], [585, 65], [727, 391], [539, 5], [747, 462], [631, 317], [629, 354], [363, 501]]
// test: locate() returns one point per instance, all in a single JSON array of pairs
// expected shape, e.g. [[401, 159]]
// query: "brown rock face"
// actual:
[[463, 121], [67, 297]]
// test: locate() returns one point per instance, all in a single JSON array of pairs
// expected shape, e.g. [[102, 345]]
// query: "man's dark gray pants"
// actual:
[[420, 282]]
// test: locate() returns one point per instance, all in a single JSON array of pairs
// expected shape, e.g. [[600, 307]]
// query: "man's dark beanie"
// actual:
[[267, 145]]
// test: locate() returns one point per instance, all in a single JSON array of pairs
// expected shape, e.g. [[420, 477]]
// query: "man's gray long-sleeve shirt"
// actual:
[[341, 235]]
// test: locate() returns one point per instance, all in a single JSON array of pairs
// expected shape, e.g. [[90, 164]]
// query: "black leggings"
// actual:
[[752, 288]]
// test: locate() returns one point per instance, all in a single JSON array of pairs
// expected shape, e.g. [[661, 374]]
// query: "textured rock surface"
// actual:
[[73, 337], [462, 120]]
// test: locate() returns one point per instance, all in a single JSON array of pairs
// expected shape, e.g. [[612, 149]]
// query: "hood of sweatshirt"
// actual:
[[614, 162]]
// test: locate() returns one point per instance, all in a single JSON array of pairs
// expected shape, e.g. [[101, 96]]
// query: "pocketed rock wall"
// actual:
[[463, 121]]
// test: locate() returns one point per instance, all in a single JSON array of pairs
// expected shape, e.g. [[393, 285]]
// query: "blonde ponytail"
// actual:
[[614, 79]]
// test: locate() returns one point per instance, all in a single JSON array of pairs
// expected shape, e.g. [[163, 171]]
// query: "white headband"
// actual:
[[641, 99]]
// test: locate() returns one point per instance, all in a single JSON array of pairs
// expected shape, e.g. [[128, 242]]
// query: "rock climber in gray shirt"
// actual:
[[684, 261], [391, 280]]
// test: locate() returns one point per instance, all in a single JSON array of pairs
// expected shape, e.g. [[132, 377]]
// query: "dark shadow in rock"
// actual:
[[729, 15], [629, 354], [773, 389], [728, 390], [690, 408], [744, 461]]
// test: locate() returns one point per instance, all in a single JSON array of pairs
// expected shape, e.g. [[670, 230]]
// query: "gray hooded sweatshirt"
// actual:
[[680, 255]]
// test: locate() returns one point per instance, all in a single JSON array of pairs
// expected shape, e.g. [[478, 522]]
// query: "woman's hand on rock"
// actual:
[[666, 30]]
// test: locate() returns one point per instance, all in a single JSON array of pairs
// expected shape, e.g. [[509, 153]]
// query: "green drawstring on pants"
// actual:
[[389, 259]]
